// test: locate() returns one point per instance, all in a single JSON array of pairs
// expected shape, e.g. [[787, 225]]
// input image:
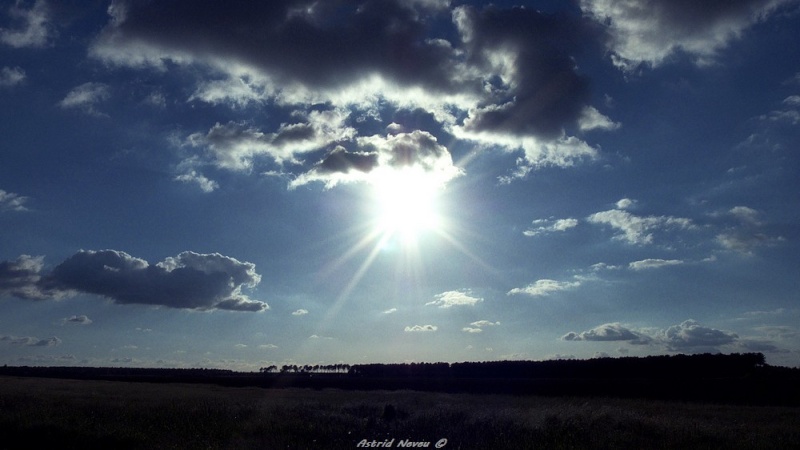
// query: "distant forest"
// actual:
[[739, 378]]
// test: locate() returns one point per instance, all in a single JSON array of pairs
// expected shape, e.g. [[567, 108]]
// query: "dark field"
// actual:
[[54, 413]]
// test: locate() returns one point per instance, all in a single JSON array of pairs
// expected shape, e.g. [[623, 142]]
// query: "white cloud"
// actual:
[[454, 298], [267, 346], [11, 76], [390, 311], [10, 201], [300, 312], [793, 100], [608, 332], [205, 184], [34, 30], [549, 225], [637, 229], [421, 328], [86, 97], [544, 287], [646, 264], [471, 330], [745, 214], [592, 119], [484, 323], [625, 203]]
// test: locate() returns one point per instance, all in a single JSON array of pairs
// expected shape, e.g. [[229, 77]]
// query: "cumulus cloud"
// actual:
[[478, 326], [636, 229], [544, 287], [692, 336], [189, 280], [542, 226], [86, 97], [687, 337], [651, 31], [454, 298], [32, 25], [29, 341], [10, 201], [646, 264], [77, 320], [421, 328], [11, 76], [300, 312], [608, 332]]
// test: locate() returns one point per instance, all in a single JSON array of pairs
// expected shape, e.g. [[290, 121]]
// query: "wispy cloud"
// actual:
[[544, 287], [454, 298]]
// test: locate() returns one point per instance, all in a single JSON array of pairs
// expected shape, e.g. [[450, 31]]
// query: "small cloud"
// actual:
[[637, 229], [625, 203], [11, 76], [10, 201], [34, 31], [390, 311], [592, 119], [603, 266], [316, 336], [30, 341], [267, 346], [240, 345], [646, 264], [86, 97], [454, 298], [471, 330], [544, 287], [300, 312], [550, 226], [608, 332], [77, 320], [421, 328], [484, 323], [793, 100], [205, 184]]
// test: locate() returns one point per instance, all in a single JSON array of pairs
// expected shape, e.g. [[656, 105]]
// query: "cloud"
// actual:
[[33, 31], [637, 229], [11, 76], [608, 332], [205, 184], [86, 97], [77, 320], [300, 312], [421, 328], [454, 298], [748, 234], [471, 330], [651, 31], [484, 323], [189, 280], [10, 201], [691, 336], [31, 341], [390, 311], [544, 287], [503, 78], [688, 337], [646, 264], [625, 203], [550, 226], [21, 278], [378, 156]]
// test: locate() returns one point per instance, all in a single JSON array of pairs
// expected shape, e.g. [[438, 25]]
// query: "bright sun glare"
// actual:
[[406, 202]]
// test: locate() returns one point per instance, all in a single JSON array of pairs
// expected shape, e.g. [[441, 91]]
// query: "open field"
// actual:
[[50, 413]]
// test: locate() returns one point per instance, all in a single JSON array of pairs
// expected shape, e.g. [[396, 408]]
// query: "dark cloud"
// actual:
[[77, 320], [31, 341], [340, 160], [321, 44], [536, 90], [189, 280], [20, 278], [652, 30]]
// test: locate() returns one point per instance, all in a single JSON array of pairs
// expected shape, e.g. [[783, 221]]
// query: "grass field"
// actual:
[[51, 413]]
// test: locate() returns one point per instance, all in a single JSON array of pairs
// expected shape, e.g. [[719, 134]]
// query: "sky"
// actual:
[[239, 184]]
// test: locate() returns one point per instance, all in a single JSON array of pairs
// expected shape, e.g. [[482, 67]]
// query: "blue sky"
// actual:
[[225, 184]]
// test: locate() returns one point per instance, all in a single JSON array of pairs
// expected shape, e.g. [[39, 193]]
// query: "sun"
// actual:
[[406, 203]]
